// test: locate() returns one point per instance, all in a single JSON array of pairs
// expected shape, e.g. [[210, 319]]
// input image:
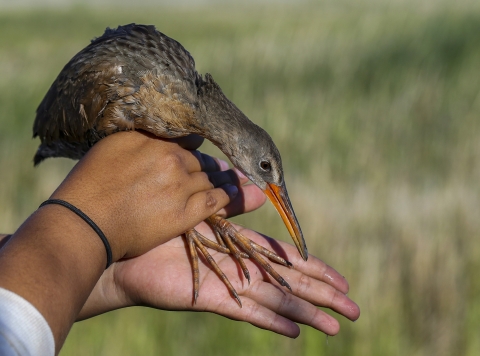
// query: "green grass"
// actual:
[[375, 109]]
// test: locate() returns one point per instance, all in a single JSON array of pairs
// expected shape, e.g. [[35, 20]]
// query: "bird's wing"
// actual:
[[100, 83], [76, 100]]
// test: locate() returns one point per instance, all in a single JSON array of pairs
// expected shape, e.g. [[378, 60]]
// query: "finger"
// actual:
[[223, 164], [249, 198], [197, 182], [223, 177], [314, 267], [317, 269], [292, 307], [258, 315], [204, 181], [321, 294], [205, 203], [212, 164], [314, 280], [243, 179], [190, 142], [207, 163]]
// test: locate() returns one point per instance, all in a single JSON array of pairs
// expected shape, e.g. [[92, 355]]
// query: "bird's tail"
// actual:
[[60, 149]]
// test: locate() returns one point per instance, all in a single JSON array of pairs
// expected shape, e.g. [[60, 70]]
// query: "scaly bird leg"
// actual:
[[271, 255], [195, 239], [227, 231], [189, 236], [228, 239], [237, 254]]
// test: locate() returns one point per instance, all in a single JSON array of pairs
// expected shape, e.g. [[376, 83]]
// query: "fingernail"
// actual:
[[240, 174], [223, 165], [231, 190]]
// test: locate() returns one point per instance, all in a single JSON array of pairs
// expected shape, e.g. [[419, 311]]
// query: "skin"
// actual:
[[141, 191], [168, 285], [56, 261]]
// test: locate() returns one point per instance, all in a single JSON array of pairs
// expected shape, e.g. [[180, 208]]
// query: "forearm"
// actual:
[[53, 261]]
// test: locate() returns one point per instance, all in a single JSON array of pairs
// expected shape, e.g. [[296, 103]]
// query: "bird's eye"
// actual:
[[265, 165]]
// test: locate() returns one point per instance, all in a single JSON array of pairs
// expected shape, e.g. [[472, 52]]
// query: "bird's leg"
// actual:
[[230, 241], [210, 244], [255, 251], [219, 238], [271, 255], [236, 252], [189, 236], [195, 239]]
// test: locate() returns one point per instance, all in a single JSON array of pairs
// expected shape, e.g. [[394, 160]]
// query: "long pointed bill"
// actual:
[[279, 197]]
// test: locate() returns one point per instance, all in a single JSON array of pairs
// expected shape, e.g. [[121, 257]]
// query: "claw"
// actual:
[[222, 228], [249, 248], [194, 235], [271, 255], [230, 241]]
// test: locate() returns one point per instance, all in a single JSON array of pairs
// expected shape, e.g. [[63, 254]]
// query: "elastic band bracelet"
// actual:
[[87, 220]]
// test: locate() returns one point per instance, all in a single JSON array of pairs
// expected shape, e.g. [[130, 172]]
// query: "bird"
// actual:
[[134, 77]]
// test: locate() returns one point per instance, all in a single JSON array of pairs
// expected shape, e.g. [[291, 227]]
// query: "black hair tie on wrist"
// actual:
[[87, 220]]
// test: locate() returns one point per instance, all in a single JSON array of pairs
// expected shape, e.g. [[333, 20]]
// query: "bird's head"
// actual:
[[251, 150], [259, 159]]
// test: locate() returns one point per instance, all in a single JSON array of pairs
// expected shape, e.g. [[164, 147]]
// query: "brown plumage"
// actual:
[[135, 77]]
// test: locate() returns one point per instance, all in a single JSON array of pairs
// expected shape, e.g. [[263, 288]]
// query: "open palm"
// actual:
[[162, 278]]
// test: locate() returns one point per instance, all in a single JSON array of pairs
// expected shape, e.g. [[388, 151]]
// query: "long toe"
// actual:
[[231, 236], [195, 240], [230, 241]]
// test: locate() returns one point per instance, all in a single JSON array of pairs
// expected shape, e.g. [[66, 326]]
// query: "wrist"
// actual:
[[88, 221], [103, 217], [69, 232], [53, 261]]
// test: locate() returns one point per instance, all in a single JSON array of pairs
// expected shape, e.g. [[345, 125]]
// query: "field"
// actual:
[[375, 108]]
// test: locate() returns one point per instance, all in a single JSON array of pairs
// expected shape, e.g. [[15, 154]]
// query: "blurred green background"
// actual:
[[374, 106]]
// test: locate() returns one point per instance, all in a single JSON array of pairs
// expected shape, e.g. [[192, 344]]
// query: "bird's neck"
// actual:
[[221, 121]]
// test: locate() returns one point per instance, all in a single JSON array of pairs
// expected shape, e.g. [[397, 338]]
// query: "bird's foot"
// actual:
[[232, 238], [230, 241], [196, 240]]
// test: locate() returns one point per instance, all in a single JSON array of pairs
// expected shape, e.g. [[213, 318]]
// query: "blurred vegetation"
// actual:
[[375, 108]]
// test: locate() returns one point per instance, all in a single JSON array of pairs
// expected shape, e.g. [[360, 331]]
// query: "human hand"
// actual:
[[162, 278], [162, 190], [140, 190]]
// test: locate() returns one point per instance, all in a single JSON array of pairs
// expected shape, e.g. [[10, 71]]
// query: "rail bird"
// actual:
[[136, 78]]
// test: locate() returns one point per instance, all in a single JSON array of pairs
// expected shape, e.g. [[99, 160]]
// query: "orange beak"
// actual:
[[279, 197]]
